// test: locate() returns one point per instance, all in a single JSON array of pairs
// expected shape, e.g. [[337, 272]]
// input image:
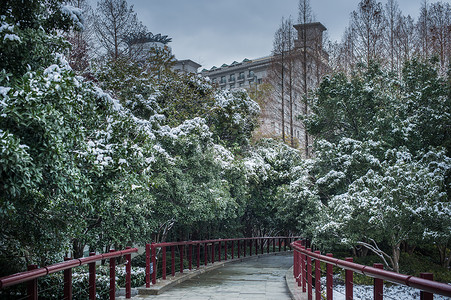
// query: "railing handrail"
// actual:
[[184, 243], [61, 266], [151, 255], [411, 281]]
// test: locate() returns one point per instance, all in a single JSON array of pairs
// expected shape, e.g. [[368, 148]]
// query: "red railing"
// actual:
[[31, 276], [302, 271], [214, 249]]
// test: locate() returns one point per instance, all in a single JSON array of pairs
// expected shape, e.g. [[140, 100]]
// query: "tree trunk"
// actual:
[[396, 253]]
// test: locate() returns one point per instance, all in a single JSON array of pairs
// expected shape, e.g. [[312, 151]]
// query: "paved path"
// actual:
[[259, 278]]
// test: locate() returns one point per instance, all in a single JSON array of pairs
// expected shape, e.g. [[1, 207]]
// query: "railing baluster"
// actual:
[[303, 271], [349, 281], [181, 257], [219, 251], [225, 250], [68, 282], [128, 275], [309, 276], [154, 263], [198, 255], [378, 288], [239, 249], [317, 278], [173, 261], [426, 295], [92, 278], [190, 256], [233, 249], [148, 266], [213, 252], [112, 263], [33, 285], [329, 279], [205, 253], [163, 267]]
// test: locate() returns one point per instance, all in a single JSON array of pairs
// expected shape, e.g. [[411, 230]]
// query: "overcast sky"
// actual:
[[213, 32]]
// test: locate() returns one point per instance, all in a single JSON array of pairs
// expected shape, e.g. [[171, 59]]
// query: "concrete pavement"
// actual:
[[255, 278]]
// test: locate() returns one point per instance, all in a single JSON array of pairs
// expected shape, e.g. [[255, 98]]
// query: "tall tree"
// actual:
[[81, 40], [405, 37], [305, 17], [115, 23], [392, 14], [368, 23], [440, 31], [277, 72], [423, 29]]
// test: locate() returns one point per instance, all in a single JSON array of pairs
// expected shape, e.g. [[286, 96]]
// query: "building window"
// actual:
[[232, 77], [251, 74], [259, 81], [241, 84], [241, 76], [223, 80], [232, 86]]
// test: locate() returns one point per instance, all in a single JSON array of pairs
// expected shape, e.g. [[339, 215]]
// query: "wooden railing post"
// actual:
[[128, 275], [163, 263], [148, 266], [349, 281], [378, 285], [317, 278], [32, 285], [303, 271], [154, 263], [212, 252], [225, 250], [239, 249], [329, 279], [198, 255], [181, 257], [219, 251], [173, 261], [68, 282], [112, 262], [92, 278], [190, 256], [426, 295], [205, 254], [309, 276]]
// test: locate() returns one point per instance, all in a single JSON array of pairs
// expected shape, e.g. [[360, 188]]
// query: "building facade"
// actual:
[[309, 62]]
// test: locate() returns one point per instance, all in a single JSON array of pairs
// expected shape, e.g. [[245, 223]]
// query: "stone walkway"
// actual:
[[257, 278]]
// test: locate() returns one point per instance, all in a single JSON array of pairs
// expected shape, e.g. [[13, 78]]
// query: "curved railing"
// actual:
[[31, 276], [303, 268], [213, 250]]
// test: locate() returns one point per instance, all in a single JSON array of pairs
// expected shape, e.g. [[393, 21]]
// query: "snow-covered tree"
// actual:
[[382, 163]]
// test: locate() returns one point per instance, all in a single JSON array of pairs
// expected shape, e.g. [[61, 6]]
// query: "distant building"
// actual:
[[245, 74], [250, 73], [186, 66]]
